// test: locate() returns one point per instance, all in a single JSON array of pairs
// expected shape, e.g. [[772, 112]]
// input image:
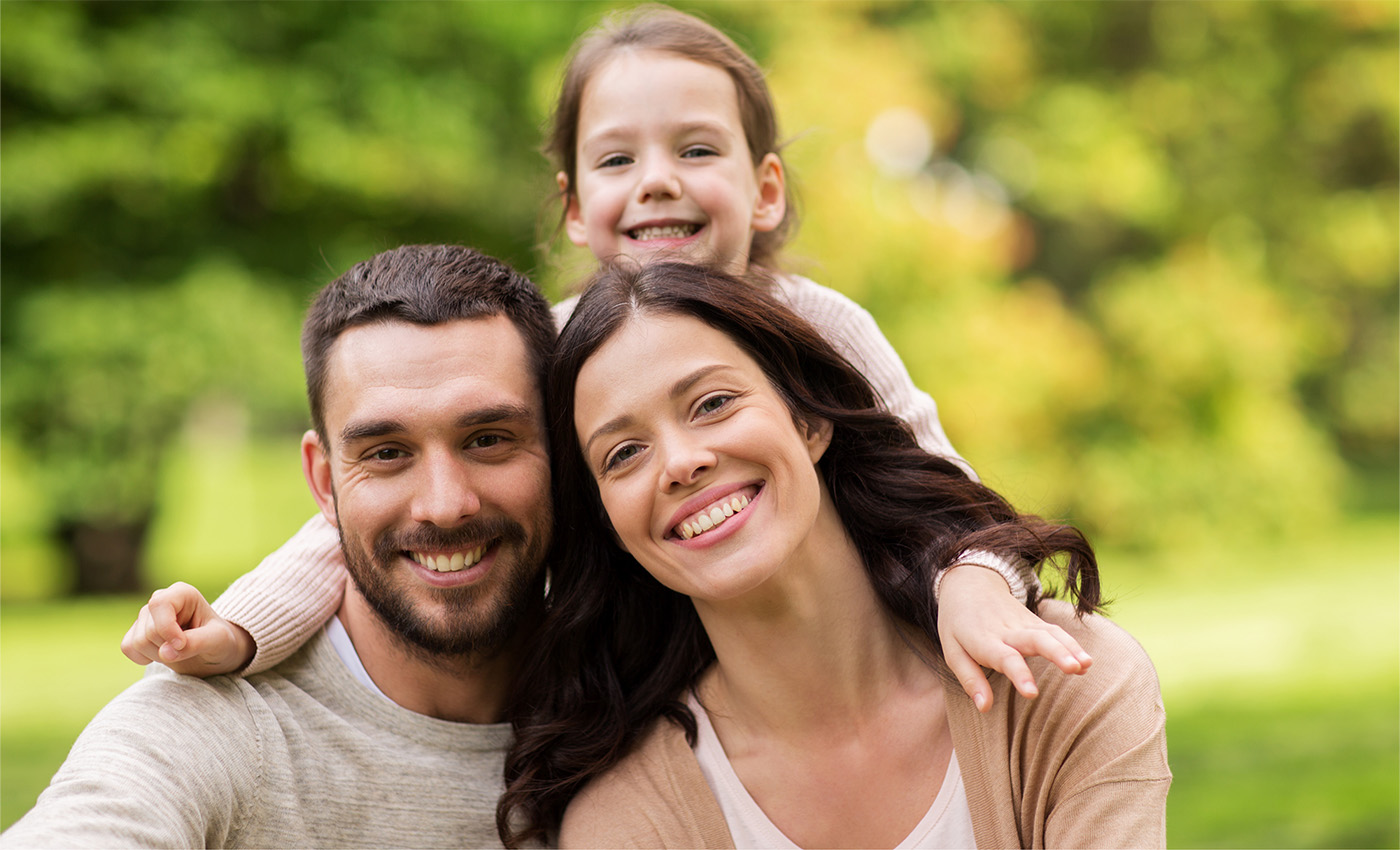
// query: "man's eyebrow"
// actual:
[[500, 413], [678, 389], [356, 431], [496, 413]]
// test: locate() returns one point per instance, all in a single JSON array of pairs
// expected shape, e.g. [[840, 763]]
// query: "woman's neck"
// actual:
[[812, 648]]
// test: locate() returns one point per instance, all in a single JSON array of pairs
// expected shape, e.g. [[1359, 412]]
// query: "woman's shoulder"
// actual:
[[655, 796], [1116, 702], [1115, 651]]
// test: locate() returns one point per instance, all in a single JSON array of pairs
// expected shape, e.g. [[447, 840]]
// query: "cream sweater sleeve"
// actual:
[[851, 329], [290, 595]]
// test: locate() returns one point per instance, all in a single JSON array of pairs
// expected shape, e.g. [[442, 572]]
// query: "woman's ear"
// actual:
[[771, 204], [316, 467], [817, 433], [574, 224]]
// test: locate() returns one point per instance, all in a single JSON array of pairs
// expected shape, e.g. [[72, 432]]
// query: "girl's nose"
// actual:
[[659, 181]]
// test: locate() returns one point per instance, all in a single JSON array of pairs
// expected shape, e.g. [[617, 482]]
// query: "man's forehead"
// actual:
[[481, 358]]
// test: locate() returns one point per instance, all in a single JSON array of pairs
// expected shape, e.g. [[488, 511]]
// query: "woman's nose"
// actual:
[[687, 461]]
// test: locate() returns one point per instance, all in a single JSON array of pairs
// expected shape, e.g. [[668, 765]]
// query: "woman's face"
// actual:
[[708, 481]]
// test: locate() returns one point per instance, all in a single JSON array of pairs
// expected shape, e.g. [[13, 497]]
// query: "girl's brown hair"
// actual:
[[654, 27]]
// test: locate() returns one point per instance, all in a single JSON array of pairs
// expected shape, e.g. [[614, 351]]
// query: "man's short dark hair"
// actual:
[[424, 285]]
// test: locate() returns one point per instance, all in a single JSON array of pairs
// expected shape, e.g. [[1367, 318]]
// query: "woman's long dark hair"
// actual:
[[618, 650]]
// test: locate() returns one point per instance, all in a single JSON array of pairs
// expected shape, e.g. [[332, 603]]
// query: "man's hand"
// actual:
[[982, 625], [179, 629]]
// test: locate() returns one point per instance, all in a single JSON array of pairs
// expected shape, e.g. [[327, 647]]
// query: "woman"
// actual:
[[742, 647]]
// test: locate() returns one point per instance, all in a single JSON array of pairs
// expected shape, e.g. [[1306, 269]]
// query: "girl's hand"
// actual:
[[179, 629], [982, 625]]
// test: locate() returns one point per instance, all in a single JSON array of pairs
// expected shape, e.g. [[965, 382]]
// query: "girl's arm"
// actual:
[[259, 621], [989, 628], [853, 331]]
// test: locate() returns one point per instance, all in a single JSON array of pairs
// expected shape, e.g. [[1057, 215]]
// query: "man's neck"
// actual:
[[463, 689]]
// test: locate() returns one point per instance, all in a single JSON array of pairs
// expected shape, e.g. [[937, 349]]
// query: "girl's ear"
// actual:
[[771, 204], [316, 466], [573, 216], [818, 436]]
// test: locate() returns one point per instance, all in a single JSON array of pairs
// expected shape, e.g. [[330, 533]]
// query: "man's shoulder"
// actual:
[[163, 703]]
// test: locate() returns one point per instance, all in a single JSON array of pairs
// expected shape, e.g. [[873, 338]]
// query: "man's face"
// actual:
[[437, 476]]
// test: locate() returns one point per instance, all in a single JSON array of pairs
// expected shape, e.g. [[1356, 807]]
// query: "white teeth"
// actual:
[[450, 563], [715, 516], [670, 231]]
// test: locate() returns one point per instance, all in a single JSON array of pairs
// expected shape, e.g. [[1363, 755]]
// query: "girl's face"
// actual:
[[664, 167], [706, 478]]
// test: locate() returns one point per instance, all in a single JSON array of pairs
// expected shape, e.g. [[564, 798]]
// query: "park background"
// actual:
[[1143, 254]]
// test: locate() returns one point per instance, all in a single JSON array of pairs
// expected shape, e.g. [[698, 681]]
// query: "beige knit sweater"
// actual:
[[1082, 765]]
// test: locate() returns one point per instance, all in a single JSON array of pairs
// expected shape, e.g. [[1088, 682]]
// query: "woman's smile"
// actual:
[[714, 513]]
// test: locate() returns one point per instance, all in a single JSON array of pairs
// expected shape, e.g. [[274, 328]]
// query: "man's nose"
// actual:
[[445, 493]]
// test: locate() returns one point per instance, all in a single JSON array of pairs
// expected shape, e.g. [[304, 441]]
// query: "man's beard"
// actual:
[[477, 619]]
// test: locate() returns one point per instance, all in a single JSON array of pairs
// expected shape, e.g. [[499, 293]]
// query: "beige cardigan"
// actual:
[[1082, 765]]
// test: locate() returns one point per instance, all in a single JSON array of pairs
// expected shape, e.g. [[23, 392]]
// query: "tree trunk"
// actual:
[[107, 555]]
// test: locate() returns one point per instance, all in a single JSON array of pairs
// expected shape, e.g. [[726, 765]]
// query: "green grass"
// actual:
[[1280, 670], [59, 663], [1316, 769]]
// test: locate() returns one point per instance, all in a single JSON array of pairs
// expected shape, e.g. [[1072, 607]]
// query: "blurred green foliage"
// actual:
[[1143, 254]]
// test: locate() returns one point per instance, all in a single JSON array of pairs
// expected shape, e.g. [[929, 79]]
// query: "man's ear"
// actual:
[[316, 467], [771, 203], [573, 217], [818, 436]]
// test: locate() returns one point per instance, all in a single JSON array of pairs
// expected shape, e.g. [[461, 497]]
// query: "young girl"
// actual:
[[667, 140]]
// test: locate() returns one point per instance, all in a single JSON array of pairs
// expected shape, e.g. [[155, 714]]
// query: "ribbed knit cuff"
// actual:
[[290, 595], [1018, 576]]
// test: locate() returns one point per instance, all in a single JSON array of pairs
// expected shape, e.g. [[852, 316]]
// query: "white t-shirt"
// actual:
[[946, 825]]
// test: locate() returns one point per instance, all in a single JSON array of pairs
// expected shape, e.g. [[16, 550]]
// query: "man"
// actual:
[[424, 370]]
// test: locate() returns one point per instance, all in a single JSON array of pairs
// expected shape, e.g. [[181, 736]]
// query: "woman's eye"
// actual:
[[622, 455], [714, 403], [485, 441]]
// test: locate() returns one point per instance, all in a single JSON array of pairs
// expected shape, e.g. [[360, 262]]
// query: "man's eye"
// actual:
[[388, 454]]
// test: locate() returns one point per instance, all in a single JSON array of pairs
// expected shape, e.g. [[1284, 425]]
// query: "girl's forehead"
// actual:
[[633, 68]]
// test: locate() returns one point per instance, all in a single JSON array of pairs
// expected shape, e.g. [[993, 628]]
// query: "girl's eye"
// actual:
[[714, 403], [622, 455], [615, 160], [694, 152]]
